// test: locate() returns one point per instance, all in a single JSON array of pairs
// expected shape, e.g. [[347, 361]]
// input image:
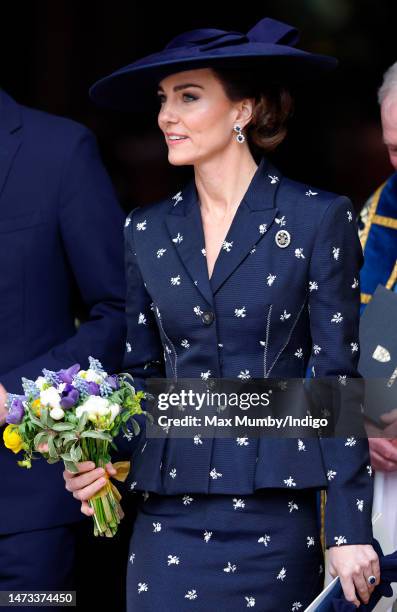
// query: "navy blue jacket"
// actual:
[[61, 234], [266, 312]]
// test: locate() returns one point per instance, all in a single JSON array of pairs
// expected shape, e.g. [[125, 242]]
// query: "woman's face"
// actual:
[[193, 104]]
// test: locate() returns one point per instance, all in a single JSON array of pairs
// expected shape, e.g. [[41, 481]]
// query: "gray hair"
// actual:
[[389, 84]]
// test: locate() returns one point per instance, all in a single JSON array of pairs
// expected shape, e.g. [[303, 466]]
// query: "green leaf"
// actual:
[[76, 453], [62, 426], [40, 438], [69, 465], [51, 448], [92, 433], [82, 422]]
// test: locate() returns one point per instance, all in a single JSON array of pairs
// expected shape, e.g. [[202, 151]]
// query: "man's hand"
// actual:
[[3, 409], [382, 446]]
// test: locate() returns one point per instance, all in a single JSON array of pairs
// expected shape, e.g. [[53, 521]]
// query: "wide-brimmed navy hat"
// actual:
[[268, 47]]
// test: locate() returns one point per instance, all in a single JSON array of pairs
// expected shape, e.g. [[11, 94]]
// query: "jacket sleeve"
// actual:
[[143, 353], [90, 224], [334, 305]]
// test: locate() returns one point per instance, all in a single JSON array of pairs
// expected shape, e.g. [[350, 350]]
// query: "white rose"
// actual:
[[50, 397], [57, 414], [40, 381], [114, 411], [96, 405]]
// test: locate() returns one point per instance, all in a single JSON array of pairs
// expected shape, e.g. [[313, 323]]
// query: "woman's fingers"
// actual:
[[43, 447], [349, 590], [111, 470], [86, 508], [83, 480], [82, 466]]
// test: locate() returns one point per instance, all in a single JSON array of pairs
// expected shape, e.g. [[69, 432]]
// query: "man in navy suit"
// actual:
[[60, 237]]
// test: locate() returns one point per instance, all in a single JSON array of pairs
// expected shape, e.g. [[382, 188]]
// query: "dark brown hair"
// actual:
[[273, 103]]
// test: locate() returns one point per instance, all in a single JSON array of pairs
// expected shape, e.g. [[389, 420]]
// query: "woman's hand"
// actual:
[[353, 564], [382, 443], [86, 483]]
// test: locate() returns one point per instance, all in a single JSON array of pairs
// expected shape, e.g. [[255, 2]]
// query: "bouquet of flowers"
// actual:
[[77, 414]]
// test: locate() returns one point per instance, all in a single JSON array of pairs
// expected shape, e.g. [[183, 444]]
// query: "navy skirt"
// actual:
[[225, 552]]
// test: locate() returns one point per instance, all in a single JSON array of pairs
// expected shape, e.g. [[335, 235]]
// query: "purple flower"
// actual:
[[113, 381], [69, 396], [93, 388], [68, 374], [16, 412]]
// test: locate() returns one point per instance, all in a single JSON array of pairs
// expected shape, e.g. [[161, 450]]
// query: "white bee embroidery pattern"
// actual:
[[156, 527], [142, 587], [141, 226], [282, 574], [292, 506], [313, 286], [262, 228], [309, 541], [187, 500], [242, 441], [207, 536], [281, 221], [230, 568], [178, 238], [128, 347], [127, 221], [290, 482], [173, 473], [160, 253], [286, 315], [369, 470], [351, 441], [337, 318], [227, 246], [204, 252], [340, 540], [273, 179], [355, 283], [299, 253], [349, 215], [214, 474], [301, 445], [295, 606], [311, 193], [335, 252], [238, 503], [316, 349], [331, 474], [299, 353], [142, 319], [360, 504], [244, 375], [264, 540], [197, 439], [185, 343], [240, 312], [270, 279], [205, 375], [177, 197], [175, 280], [250, 601], [192, 594], [172, 560]]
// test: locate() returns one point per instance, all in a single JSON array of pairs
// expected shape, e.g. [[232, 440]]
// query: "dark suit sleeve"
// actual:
[[143, 355], [334, 302], [90, 223]]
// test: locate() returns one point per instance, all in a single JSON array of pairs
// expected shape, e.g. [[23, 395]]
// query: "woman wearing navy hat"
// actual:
[[241, 274]]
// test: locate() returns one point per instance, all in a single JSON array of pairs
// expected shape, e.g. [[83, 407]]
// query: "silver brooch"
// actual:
[[282, 238]]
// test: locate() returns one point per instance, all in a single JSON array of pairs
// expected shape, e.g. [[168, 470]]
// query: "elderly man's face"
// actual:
[[389, 126]]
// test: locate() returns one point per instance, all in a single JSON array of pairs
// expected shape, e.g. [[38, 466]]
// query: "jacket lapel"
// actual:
[[250, 224], [10, 134]]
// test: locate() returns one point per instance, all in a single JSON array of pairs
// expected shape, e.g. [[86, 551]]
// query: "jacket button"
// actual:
[[207, 317]]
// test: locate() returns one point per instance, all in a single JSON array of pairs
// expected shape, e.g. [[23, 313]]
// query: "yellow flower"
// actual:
[[36, 404], [12, 439]]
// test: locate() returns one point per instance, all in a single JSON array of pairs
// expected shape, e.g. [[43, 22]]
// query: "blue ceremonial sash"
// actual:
[[379, 241]]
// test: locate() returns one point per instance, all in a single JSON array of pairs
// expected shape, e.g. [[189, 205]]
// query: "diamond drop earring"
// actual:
[[240, 136]]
